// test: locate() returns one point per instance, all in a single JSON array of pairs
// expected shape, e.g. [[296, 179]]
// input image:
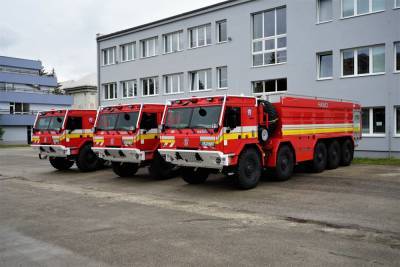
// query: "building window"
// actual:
[[269, 37], [110, 91], [108, 56], [397, 56], [200, 80], [222, 77], [149, 47], [19, 108], [173, 84], [129, 89], [373, 121], [150, 86], [128, 52], [325, 65], [200, 36], [396, 3], [222, 31], [360, 7], [269, 86], [397, 120], [324, 10], [173, 42], [363, 61]]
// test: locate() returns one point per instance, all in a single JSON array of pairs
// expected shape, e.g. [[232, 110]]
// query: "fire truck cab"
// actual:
[[128, 136], [65, 137], [243, 136]]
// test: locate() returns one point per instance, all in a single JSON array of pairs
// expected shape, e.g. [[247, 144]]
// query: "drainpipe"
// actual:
[[98, 70], [390, 135]]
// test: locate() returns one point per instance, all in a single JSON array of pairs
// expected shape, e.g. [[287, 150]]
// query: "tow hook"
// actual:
[[43, 157]]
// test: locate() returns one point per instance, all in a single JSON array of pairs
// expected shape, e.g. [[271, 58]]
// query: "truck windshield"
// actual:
[[49, 123], [196, 117], [118, 121]]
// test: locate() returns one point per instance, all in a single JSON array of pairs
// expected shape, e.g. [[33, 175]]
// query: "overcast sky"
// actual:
[[62, 33]]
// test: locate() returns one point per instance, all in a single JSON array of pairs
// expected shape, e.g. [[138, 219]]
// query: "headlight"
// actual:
[[127, 142], [56, 140], [207, 144]]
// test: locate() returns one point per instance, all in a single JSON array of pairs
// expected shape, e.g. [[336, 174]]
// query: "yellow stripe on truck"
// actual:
[[317, 131]]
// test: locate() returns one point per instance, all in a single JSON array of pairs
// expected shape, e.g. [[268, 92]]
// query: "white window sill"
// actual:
[[129, 97], [109, 65], [197, 47], [128, 60], [374, 135], [269, 93], [223, 88], [363, 75], [173, 52], [325, 79], [269, 65], [148, 57], [360, 15], [145, 96], [223, 42], [110, 99], [396, 135], [396, 71], [396, 7], [323, 22], [201, 91], [177, 93]]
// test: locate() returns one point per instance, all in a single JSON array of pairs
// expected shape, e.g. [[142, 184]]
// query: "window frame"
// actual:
[[218, 31], [197, 76], [319, 78], [263, 39], [196, 29], [106, 50], [156, 86], [371, 132], [355, 11], [179, 41], [264, 82], [180, 83], [135, 89], [145, 43], [395, 54], [355, 59], [396, 134], [13, 105], [396, 4], [106, 86], [133, 44], [318, 13], [219, 78]]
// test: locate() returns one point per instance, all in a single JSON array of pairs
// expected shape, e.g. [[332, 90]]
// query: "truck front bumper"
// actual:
[[196, 158], [129, 155], [57, 151]]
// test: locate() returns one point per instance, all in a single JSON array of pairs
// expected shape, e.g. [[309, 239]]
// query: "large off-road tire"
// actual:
[[347, 153], [320, 160], [334, 155], [249, 169], [61, 164], [194, 175], [125, 169], [87, 160], [285, 162], [159, 168]]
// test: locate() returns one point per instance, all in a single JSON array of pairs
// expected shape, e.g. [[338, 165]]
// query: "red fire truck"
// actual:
[[243, 136], [65, 137], [128, 136]]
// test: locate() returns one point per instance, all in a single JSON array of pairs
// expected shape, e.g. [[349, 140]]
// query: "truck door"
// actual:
[[149, 132]]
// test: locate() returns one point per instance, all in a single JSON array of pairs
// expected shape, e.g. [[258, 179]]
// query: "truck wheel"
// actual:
[[194, 175], [61, 164], [284, 164], [87, 160], [347, 153], [159, 168], [320, 158], [334, 155], [125, 169], [249, 169]]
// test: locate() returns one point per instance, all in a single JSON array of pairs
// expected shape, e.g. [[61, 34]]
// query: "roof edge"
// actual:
[[227, 3]]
